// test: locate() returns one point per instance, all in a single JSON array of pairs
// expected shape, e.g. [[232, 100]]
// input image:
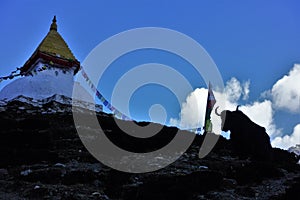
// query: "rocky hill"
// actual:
[[42, 157]]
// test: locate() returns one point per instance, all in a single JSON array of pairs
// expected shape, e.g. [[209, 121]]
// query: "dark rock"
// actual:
[[229, 183], [245, 191], [285, 159], [255, 172], [37, 192], [42, 157], [293, 191], [33, 123], [47, 175], [175, 186], [79, 176], [3, 174]]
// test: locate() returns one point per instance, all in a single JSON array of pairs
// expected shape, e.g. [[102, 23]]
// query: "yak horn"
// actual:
[[237, 108], [216, 111]]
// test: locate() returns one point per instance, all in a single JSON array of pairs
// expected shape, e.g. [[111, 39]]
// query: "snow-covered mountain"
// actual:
[[295, 149]]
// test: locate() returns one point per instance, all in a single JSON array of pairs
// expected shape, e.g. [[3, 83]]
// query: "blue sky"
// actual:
[[256, 41]]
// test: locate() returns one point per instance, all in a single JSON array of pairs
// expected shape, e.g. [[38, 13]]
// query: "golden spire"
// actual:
[[52, 48], [53, 25]]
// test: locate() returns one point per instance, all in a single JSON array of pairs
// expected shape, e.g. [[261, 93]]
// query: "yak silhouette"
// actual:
[[248, 138]]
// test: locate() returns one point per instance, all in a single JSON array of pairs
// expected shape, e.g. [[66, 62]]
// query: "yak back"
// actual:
[[245, 121]]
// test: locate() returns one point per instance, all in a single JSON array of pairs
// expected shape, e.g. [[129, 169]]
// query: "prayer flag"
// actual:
[[209, 106]]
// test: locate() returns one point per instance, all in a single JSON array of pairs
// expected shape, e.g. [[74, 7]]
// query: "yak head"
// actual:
[[228, 118]]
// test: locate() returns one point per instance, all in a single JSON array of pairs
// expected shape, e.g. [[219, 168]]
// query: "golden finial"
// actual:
[[53, 25]]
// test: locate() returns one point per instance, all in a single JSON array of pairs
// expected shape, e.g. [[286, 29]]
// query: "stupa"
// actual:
[[49, 71]]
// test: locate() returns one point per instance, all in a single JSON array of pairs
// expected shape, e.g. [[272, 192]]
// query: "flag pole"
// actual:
[[207, 101]]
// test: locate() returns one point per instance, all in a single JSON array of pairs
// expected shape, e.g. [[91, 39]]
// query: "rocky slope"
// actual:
[[42, 157]]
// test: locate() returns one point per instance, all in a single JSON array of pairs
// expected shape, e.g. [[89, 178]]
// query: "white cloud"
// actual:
[[288, 140], [234, 89], [192, 110], [246, 90], [266, 94], [286, 91]]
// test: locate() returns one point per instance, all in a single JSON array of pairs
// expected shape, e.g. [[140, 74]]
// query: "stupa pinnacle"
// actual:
[[52, 50]]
